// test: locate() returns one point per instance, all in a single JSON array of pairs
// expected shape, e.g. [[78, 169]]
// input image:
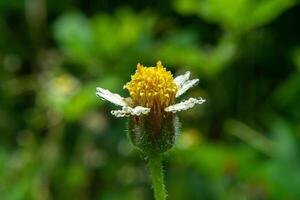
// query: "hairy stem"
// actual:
[[156, 170]]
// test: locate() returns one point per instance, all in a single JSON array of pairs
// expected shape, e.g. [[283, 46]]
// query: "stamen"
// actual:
[[152, 86]]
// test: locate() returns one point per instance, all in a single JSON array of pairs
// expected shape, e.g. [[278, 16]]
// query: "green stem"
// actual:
[[156, 170]]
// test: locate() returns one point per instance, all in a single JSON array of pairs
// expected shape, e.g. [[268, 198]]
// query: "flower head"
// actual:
[[152, 89], [151, 106]]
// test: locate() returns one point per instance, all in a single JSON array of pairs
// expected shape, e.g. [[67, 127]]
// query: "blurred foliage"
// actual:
[[58, 141], [239, 15]]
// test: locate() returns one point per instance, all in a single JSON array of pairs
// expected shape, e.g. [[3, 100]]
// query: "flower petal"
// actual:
[[126, 111], [186, 85], [111, 97], [179, 80], [184, 105]]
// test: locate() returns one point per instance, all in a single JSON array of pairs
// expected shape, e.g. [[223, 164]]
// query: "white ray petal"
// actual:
[[184, 105], [119, 113], [127, 111], [186, 85], [179, 80], [111, 97]]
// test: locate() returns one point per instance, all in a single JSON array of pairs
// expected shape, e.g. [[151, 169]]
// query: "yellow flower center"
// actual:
[[152, 87]]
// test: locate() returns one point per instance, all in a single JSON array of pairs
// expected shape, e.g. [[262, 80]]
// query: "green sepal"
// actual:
[[152, 133]]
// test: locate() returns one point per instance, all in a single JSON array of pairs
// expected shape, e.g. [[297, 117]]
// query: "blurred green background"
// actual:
[[59, 141]]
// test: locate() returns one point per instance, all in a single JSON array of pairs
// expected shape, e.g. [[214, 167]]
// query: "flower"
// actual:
[[152, 89], [151, 108]]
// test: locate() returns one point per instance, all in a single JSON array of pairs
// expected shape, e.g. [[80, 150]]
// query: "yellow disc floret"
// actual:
[[152, 87]]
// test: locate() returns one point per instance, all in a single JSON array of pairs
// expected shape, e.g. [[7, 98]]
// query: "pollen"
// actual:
[[152, 87]]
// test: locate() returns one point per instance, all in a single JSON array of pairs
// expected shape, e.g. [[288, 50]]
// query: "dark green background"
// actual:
[[59, 141]]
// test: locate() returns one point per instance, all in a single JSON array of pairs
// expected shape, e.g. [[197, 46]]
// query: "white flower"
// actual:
[[152, 89]]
